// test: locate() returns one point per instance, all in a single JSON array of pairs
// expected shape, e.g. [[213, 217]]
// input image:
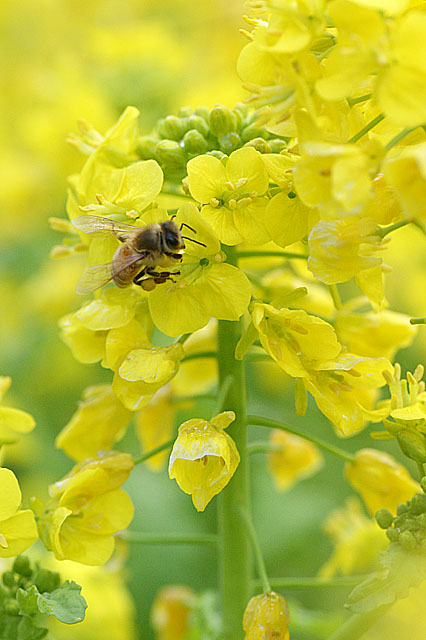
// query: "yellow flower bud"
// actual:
[[267, 618], [170, 612], [294, 459], [381, 481]]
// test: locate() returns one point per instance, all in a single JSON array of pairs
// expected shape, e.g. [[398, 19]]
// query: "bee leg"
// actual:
[[138, 279], [175, 256], [162, 276]]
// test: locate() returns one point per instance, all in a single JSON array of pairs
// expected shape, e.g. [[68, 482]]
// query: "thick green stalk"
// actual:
[[355, 627], [234, 552]]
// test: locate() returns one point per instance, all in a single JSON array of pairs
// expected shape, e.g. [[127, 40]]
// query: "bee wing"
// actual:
[[101, 226], [96, 277]]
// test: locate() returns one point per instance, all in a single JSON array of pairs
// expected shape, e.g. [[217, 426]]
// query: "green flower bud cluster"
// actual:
[[28, 591], [219, 131], [408, 527]]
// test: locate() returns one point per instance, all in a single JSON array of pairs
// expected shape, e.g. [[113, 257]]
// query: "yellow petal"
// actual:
[[247, 163], [223, 420], [105, 514], [20, 532], [250, 222], [122, 340], [114, 308], [221, 220], [86, 548], [206, 178], [98, 423], [86, 345], [133, 395], [287, 219], [141, 184], [16, 419], [10, 494]]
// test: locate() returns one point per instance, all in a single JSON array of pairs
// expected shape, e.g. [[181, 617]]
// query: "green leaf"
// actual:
[[27, 600], [65, 603], [401, 570], [27, 630]]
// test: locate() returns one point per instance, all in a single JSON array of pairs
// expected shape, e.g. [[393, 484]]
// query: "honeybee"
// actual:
[[142, 252]]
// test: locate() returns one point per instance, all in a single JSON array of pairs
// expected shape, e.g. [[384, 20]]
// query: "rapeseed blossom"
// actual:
[[204, 458], [12, 421], [266, 616], [18, 529]]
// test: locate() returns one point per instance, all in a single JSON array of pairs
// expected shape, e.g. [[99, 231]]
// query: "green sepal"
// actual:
[[401, 570], [27, 600], [65, 603], [244, 343]]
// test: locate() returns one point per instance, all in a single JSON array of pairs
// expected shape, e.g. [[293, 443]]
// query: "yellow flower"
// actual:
[[266, 616], [333, 176], [204, 458], [374, 334], [143, 372], [18, 529], [207, 286], [381, 481], [405, 171], [357, 541], [86, 508], [12, 420], [340, 249], [294, 339], [196, 376], [98, 423], [232, 195], [294, 459], [170, 612], [345, 390]]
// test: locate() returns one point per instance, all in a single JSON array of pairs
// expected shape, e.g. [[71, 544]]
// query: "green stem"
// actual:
[[335, 295], [252, 536], [393, 227], [421, 468], [399, 137], [262, 447], [358, 624], [193, 397], [417, 320], [168, 539], [153, 452], [274, 424], [183, 338], [200, 355], [234, 555], [272, 254], [370, 125], [313, 582], [353, 101]]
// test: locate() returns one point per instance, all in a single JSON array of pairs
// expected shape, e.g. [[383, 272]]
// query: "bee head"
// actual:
[[172, 237]]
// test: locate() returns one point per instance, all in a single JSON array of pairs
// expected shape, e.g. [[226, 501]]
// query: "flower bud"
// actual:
[[46, 580], [172, 128], [253, 131], [8, 579], [170, 153], [392, 535], [229, 142], [413, 444], [277, 145], [22, 566], [222, 120], [418, 504], [242, 109], [171, 611], [407, 541], [199, 123], [218, 154], [203, 112], [145, 147], [10, 608], [268, 612], [185, 112], [195, 142], [259, 144], [384, 518]]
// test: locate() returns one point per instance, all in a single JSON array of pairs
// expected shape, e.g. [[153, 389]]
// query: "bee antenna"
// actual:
[[196, 241], [187, 226], [173, 217]]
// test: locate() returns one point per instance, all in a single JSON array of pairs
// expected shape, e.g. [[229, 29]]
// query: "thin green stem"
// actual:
[[153, 452], [370, 125], [234, 555], [274, 424], [262, 447], [313, 582], [353, 101], [399, 137], [169, 538], [335, 295], [200, 355], [271, 254], [183, 338], [393, 227], [175, 194], [252, 536], [358, 624], [417, 320], [192, 397], [222, 393]]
